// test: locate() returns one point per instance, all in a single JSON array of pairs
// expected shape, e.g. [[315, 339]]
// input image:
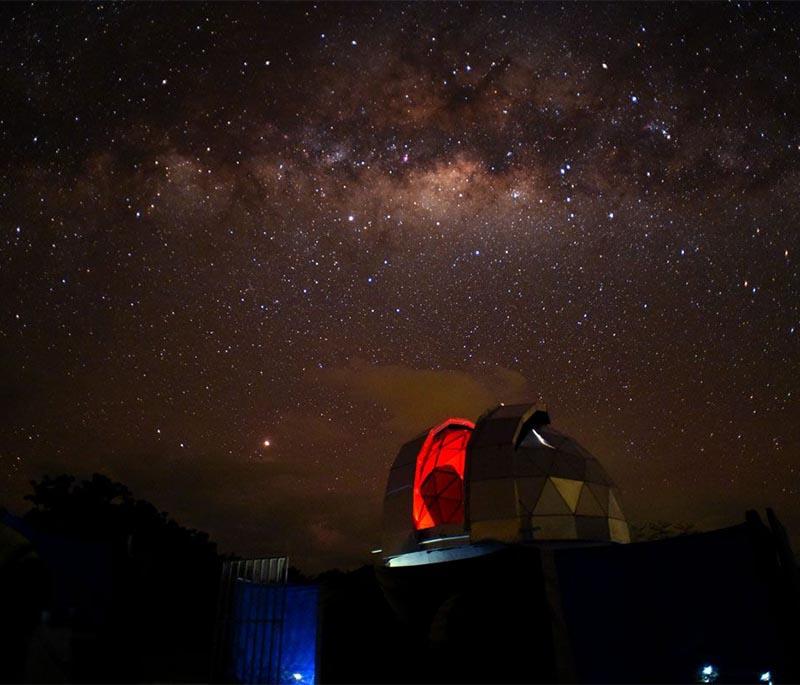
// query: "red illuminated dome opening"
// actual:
[[439, 475], [443, 494]]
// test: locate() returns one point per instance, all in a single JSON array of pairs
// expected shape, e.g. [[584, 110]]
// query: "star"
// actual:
[[398, 217]]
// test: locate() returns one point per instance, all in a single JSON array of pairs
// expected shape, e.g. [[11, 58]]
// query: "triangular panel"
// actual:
[[540, 457], [570, 490], [526, 465], [567, 465], [588, 504], [619, 531], [528, 492], [550, 502], [571, 448], [596, 473], [600, 493], [582, 451], [614, 510]]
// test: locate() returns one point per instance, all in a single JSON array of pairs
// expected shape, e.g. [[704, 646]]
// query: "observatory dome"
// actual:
[[508, 478]]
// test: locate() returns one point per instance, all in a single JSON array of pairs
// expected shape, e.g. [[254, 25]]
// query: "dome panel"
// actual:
[[397, 523], [507, 530], [614, 510], [568, 466], [592, 527], [525, 465], [588, 504], [489, 462], [572, 447], [596, 473], [400, 477], [619, 531], [408, 452], [396, 512], [600, 493], [570, 490], [540, 458], [528, 492], [495, 432], [554, 528], [580, 450], [550, 501], [491, 499]]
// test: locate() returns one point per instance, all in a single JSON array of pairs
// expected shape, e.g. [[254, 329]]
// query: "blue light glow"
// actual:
[[274, 634]]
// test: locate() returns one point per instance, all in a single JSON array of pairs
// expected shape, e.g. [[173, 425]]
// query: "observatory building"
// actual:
[[461, 488], [504, 559]]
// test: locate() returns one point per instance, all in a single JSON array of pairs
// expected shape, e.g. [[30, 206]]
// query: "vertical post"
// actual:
[[565, 665]]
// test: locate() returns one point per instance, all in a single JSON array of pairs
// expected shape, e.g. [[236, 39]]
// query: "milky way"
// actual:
[[330, 226]]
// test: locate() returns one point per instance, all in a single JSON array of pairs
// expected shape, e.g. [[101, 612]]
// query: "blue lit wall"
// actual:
[[273, 636]]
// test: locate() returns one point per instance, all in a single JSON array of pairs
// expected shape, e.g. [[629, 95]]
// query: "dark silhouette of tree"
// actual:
[[155, 621], [23, 594], [660, 530]]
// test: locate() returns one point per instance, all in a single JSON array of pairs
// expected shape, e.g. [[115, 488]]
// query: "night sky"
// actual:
[[330, 226]]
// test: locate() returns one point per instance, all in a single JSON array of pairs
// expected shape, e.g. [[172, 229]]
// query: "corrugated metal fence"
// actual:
[[267, 630], [265, 571]]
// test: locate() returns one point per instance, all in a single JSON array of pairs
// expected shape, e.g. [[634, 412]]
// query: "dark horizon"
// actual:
[[247, 251]]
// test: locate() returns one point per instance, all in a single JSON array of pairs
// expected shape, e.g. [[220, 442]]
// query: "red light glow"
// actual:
[[439, 475]]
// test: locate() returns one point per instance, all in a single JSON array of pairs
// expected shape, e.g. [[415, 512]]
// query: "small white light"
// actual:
[[765, 677], [708, 674], [297, 676], [266, 443]]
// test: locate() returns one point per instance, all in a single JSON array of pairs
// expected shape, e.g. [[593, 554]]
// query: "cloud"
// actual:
[[413, 399]]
